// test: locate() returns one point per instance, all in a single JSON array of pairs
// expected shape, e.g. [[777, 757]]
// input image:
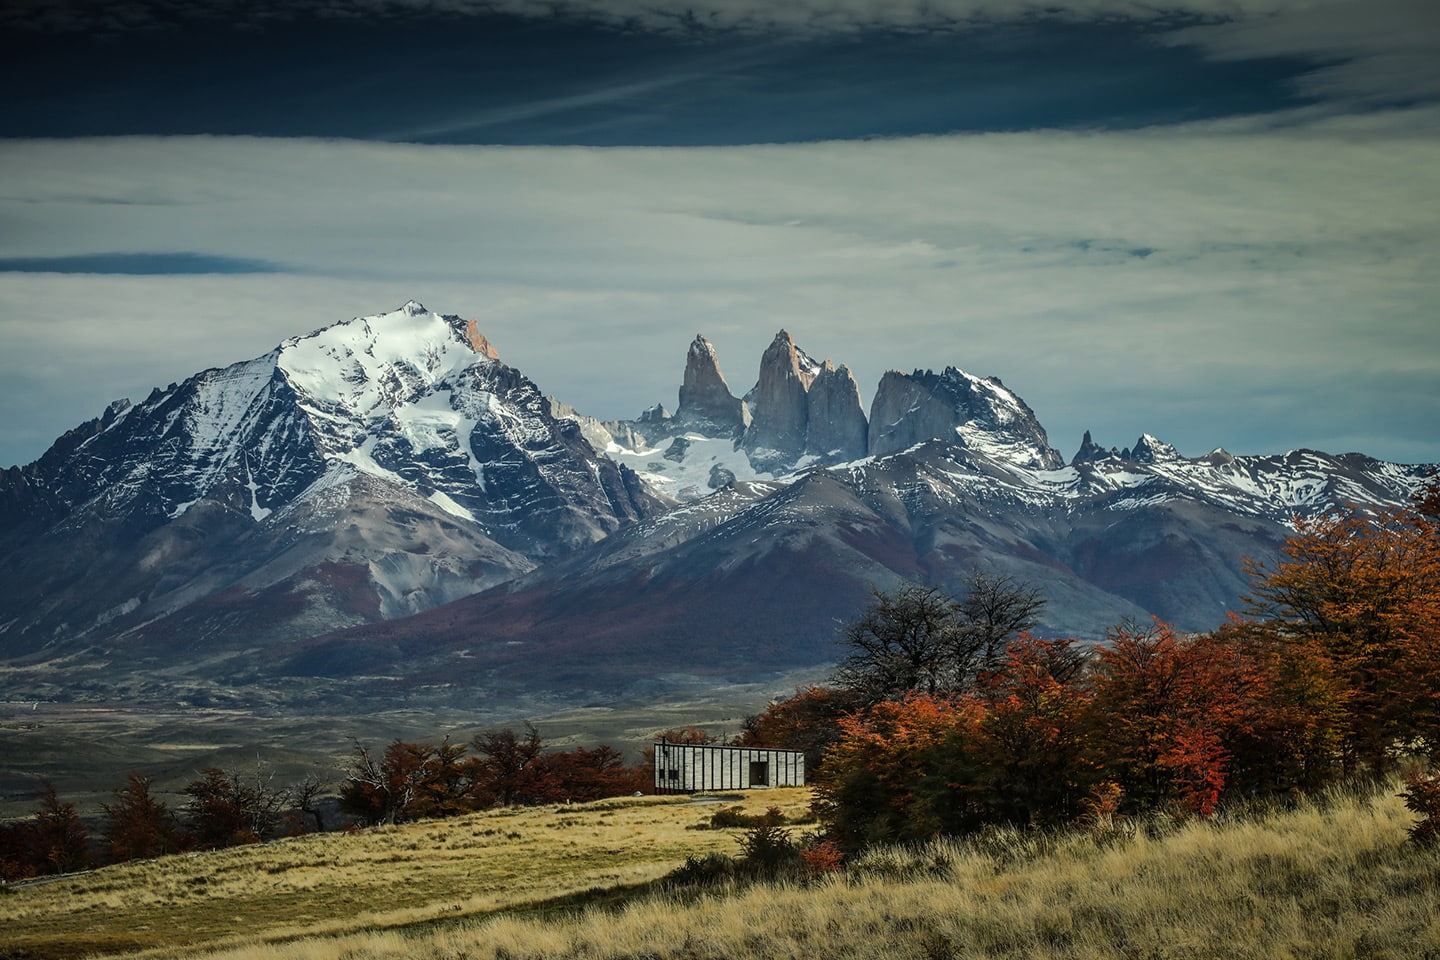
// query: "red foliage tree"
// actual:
[[138, 826], [225, 811], [408, 781], [580, 775], [1166, 703], [510, 768], [888, 778], [1034, 738], [806, 720]]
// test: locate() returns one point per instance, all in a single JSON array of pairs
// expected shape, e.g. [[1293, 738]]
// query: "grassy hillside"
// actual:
[[520, 859], [1330, 879]]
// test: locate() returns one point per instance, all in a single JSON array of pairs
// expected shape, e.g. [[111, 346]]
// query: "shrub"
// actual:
[[768, 849], [1422, 796], [733, 817], [819, 857]]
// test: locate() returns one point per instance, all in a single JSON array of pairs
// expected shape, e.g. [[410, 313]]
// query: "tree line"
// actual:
[[404, 781], [948, 715], [413, 781], [225, 808]]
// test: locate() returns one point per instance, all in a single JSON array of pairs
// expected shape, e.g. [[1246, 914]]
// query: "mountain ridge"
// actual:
[[382, 506]]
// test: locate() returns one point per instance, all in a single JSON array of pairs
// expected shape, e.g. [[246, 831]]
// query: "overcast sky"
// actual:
[[1218, 222]]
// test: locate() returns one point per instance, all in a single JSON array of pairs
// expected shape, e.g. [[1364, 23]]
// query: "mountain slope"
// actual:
[[372, 468], [383, 510]]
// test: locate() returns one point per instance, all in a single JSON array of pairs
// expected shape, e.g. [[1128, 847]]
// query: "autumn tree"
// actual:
[[1364, 591], [887, 778], [225, 810], [1166, 704], [54, 840], [585, 774], [1035, 739], [385, 789], [442, 780], [1284, 708], [806, 720], [510, 769], [137, 825], [686, 734], [59, 841]]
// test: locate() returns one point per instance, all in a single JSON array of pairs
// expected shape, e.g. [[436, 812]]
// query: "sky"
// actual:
[[1215, 221]]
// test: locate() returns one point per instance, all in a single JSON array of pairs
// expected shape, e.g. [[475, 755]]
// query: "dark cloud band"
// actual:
[[137, 264]]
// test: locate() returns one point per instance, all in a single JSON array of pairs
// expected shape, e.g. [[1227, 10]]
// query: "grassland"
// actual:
[[1332, 879], [523, 859]]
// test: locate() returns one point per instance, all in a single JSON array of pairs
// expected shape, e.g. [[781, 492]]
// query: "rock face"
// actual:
[[706, 404], [955, 405], [1091, 451], [781, 410], [836, 429], [1149, 449]]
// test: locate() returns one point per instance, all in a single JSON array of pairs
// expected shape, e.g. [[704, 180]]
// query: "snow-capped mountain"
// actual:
[[803, 415], [384, 505], [369, 469]]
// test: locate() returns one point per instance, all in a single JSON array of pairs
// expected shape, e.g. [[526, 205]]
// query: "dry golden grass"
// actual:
[[381, 878], [1333, 879]]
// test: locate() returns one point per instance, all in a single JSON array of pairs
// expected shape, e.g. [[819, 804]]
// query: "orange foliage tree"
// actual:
[[1034, 739], [887, 778], [1364, 592]]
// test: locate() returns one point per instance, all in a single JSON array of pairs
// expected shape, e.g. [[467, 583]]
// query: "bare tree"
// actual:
[[917, 639], [905, 641], [995, 610], [303, 796]]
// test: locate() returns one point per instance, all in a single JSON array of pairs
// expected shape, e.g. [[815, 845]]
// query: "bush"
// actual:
[[1422, 796], [698, 873], [735, 817], [768, 850]]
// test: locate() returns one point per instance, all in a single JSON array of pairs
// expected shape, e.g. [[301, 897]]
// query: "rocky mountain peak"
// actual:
[[706, 403], [1090, 451], [1149, 449], [980, 412], [836, 428], [781, 412]]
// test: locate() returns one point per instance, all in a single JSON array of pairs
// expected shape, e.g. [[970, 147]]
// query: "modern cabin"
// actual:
[[702, 767]]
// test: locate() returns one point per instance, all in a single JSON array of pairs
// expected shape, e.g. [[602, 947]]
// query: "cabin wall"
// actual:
[[693, 768]]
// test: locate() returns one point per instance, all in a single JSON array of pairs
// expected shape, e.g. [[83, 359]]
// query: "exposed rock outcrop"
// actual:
[[956, 406], [836, 428], [776, 435], [477, 340], [1090, 451], [706, 404], [1149, 449]]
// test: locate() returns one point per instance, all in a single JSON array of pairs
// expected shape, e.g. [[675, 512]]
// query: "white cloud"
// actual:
[[1173, 280]]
